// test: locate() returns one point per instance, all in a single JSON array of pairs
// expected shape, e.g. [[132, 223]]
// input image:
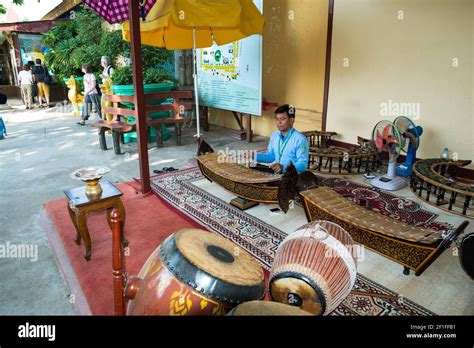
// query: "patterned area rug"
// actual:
[[262, 240], [385, 203]]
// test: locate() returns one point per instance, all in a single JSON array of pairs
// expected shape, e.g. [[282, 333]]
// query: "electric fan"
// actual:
[[388, 141], [411, 133]]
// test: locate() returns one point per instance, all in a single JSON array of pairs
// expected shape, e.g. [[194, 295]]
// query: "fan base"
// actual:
[[405, 169], [389, 184]]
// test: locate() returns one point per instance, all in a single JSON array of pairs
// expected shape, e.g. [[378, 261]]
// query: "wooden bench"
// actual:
[[180, 109], [118, 128], [411, 246], [181, 114]]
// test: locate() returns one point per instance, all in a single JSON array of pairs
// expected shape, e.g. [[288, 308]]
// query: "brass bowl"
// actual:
[[91, 176]]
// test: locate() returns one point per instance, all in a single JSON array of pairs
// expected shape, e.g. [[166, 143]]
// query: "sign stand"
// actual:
[[245, 133]]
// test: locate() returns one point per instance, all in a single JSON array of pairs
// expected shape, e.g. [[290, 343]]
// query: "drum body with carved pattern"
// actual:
[[195, 272], [314, 268]]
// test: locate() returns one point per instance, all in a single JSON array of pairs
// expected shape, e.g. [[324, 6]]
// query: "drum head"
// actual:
[[297, 293], [266, 308], [219, 257]]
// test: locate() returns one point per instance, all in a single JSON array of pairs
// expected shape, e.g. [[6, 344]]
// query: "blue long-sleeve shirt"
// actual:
[[293, 147]]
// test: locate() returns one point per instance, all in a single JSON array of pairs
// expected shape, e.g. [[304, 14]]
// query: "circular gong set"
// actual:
[[196, 272]]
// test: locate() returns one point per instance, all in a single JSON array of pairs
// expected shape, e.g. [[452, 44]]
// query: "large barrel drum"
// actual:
[[195, 272], [466, 254], [266, 308], [314, 268]]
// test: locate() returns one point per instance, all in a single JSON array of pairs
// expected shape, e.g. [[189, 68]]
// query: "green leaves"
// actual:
[[124, 76], [58, 60], [153, 75], [86, 39], [155, 56], [112, 44], [3, 9]]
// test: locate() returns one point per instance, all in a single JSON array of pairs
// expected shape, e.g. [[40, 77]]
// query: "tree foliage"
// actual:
[[3, 9], [85, 40]]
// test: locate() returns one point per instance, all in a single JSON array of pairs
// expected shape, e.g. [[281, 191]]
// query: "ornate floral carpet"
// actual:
[[262, 240]]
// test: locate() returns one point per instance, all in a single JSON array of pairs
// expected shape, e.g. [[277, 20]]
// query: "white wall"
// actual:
[[405, 60], [294, 61]]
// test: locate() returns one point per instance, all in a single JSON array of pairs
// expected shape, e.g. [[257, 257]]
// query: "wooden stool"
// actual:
[[79, 205]]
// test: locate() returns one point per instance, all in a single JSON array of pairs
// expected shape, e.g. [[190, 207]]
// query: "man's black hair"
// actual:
[[288, 109], [38, 61]]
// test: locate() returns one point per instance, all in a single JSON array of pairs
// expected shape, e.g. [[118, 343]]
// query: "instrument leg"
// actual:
[[326, 165], [342, 165], [466, 204], [452, 200], [439, 196], [421, 187]]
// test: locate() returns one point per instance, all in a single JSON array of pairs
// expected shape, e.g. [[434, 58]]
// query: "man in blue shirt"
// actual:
[[287, 144]]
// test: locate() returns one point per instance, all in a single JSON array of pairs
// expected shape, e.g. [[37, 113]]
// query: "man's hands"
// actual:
[[277, 167]]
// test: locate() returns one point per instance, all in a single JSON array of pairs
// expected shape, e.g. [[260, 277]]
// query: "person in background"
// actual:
[[106, 74], [42, 81], [26, 79], [91, 95], [3, 129], [287, 144], [3, 98], [108, 69], [35, 87]]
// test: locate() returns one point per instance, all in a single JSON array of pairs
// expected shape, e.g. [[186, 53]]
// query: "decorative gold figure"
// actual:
[[106, 88], [74, 95]]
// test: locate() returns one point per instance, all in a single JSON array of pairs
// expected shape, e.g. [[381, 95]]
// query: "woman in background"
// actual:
[[26, 80], [91, 95], [34, 86], [42, 79]]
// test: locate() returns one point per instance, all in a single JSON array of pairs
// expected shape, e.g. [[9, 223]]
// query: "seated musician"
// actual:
[[287, 144]]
